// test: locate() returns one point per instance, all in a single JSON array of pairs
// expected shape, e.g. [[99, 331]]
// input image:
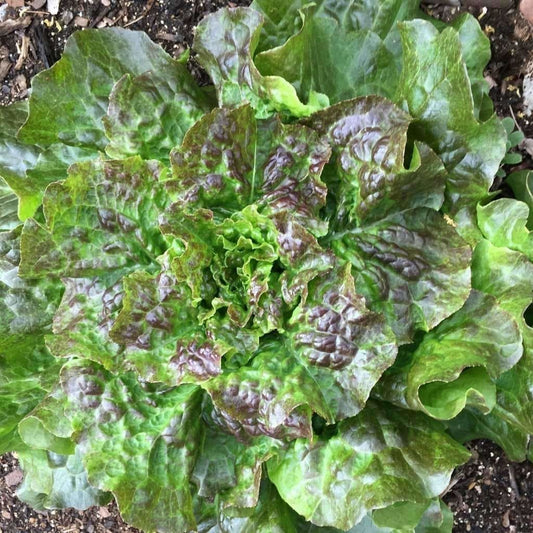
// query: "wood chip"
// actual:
[[81, 22], [15, 3], [52, 6], [103, 512], [526, 8], [5, 67], [23, 52], [38, 4], [14, 478], [11, 25], [505, 519], [165, 36]]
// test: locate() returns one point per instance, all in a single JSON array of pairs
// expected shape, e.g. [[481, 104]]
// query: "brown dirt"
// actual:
[[490, 494]]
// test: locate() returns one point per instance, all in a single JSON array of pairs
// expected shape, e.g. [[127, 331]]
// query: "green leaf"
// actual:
[[369, 137], [522, 184], [229, 160], [435, 90], [93, 61], [84, 319], [103, 217], [257, 401], [53, 481], [28, 168], [27, 370], [224, 43], [344, 346], [8, 207], [161, 334], [271, 515], [382, 456], [230, 470], [325, 57], [139, 442], [475, 51], [508, 276], [149, 114], [457, 363], [341, 49], [411, 266], [503, 223]]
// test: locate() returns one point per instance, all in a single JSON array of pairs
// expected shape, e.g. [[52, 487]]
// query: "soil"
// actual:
[[488, 494]]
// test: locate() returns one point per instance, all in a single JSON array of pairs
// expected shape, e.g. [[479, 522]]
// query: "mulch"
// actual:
[[489, 493]]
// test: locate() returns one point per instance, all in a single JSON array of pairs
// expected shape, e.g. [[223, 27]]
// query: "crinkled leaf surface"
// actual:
[[8, 207], [92, 62], [368, 136], [258, 401], [345, 347], [435, 90], [229, 160], [225, 42], [149, 114], [138, 442], [84, 319], [411, 266], [382, 456], [27, 370], [102, 218], [28, 168]]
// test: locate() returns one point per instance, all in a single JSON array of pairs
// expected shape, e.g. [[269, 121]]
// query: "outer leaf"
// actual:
[[138, 442], [481, 338], [8, 207], [508, 276], [272, 515], [342, 49], [225, 42], [149, 114], [229, 160], [411, 266], [522, 185], [369, 137], [503, 223], [27, 370], [92, 62], [53, 481], [345, 347], [28, 168], [230, 470], [475, 50], [382, 456], [471, 424], [275, 396], [102, 218], [435, 89], [281, 18], [325, 57]]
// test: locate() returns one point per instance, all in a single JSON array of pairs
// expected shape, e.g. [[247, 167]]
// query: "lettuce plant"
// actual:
[[281, 305]]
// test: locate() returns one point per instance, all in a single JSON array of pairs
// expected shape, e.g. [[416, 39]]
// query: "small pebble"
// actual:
[[81, 22]]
